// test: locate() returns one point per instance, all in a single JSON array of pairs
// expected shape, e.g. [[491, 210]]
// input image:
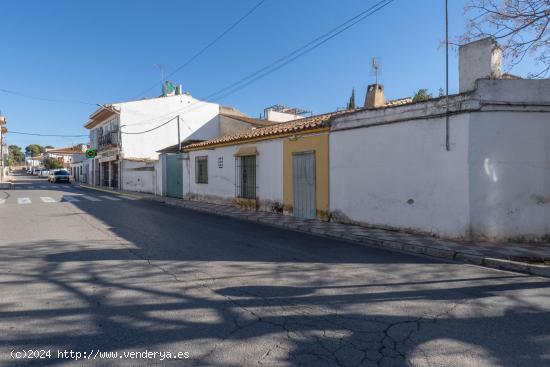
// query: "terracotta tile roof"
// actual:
[[294, 126], [70, 150]]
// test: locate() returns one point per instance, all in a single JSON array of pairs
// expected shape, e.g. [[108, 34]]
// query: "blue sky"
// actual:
[[103, 51]]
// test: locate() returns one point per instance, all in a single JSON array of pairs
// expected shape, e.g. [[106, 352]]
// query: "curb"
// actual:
[[435, 252], [122, 193]]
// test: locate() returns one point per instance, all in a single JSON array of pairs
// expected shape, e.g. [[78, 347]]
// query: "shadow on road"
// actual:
[[217, 287]]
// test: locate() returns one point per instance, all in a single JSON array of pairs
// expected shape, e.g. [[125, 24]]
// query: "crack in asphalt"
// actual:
[[376, 347]]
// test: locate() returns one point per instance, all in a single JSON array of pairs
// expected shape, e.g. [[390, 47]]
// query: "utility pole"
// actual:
[[447, 138], [179, 138]]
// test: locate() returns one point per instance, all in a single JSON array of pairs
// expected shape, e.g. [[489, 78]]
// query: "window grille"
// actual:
[[245, 177], [201, 170], [220, 162]]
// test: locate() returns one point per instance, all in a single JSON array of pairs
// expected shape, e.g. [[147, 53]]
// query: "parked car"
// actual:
[[59, 175]]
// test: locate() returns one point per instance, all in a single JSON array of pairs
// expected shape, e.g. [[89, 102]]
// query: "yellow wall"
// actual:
[[304, 143]]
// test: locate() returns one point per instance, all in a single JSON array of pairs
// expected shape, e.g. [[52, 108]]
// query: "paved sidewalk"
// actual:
[[531, 258]]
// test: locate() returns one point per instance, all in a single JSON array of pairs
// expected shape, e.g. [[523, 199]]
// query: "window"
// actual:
[[201, 170], [245, 173], [220, 162]]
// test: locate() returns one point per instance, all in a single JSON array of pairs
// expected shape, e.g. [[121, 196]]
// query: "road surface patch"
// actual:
[[91, 198], [23, 201], [109, 197]]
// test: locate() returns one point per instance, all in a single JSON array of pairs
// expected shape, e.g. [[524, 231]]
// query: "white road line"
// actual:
[[23, 201], [109, 197], [70, 199], [91, 198], [2, 201], [47, 199]]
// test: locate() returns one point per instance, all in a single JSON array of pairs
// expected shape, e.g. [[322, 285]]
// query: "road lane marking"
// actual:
[[91, 198], [47, 199], [70, 199], [23, 201], [2, 201], [109, 197]]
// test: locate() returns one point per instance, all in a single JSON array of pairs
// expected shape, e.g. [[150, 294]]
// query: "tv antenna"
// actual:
[[375, 66]]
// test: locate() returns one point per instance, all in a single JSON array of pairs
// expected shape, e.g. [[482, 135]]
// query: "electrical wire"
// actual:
[[205, 48], [146, 131], [288, 58], [300, 51], [257, 75]]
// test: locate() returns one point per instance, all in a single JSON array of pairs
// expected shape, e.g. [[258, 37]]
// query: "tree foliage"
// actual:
[[34, 149], [15, 155], [52, 163], [520, 26], [422, 95]]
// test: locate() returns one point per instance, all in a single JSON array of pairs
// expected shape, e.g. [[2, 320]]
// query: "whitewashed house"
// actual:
[[390, 167], [130, 136], [389, 164]]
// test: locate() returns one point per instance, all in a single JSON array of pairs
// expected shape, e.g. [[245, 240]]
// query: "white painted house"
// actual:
[[387, 164], [130, 136], [134, 131], [390, 167]]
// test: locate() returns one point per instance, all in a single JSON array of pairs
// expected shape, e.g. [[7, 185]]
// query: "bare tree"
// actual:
[[520, 26]]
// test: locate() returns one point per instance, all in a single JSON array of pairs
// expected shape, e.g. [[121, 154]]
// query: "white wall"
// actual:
[[400, 175], [140, 176], [510, 175], [137, 116], [221, 181], [494, 184]]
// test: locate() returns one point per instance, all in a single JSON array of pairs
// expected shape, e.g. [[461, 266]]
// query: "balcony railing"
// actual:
[[108, 140]]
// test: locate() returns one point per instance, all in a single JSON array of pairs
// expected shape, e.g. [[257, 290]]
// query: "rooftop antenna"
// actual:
[[375, 66]]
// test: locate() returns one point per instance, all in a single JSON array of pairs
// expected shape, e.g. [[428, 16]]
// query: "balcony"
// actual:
[[108, 140]]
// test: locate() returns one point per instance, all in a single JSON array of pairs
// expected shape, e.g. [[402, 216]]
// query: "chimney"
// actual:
[[478, 60], [375, 96]]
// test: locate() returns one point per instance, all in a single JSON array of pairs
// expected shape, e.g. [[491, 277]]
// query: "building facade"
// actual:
[[136, 130]]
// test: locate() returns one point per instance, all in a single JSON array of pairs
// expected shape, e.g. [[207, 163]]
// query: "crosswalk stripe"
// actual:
[[91, 198], [109, 197], [70, 199], [47, 199], [23, 201]]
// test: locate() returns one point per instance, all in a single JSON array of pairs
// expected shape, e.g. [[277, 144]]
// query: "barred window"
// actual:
[[245, 174], [201, 169]]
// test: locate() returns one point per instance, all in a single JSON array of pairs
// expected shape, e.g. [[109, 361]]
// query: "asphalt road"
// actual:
[[85, 272]]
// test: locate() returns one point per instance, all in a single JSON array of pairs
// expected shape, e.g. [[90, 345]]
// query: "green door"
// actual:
[[174, 175]]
